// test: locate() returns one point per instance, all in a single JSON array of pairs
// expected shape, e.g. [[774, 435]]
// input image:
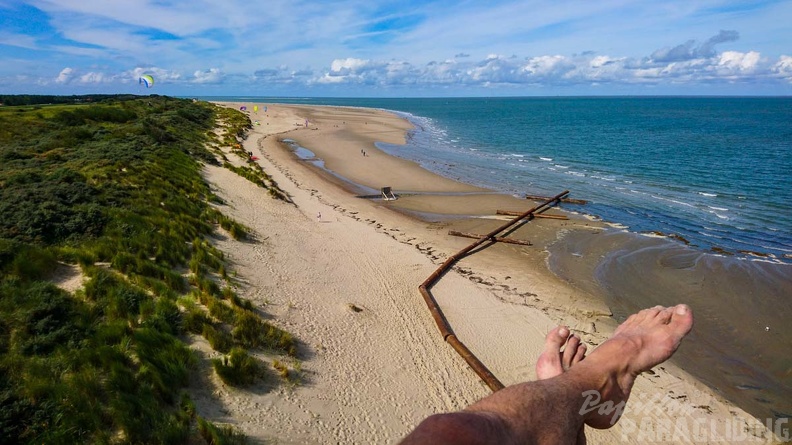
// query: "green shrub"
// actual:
[[251, 332], [32, 263], [238, 368], [224, 435], [166, 318], [194, 320], [219, 340], [222, 311]]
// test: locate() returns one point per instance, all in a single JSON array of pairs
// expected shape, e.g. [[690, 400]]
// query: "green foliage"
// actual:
[[238, 368], [249, 173], [223, 435], [250, 331], [28, 99], [79, 116], [237, 231], [219, 340], [221, 311], [26, 262], [115, 187], [194, 320]]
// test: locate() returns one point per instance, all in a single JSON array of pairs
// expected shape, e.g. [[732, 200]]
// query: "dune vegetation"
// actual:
[[112, 189]]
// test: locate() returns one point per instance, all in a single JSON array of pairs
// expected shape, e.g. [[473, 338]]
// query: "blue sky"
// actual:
[[371, 48]]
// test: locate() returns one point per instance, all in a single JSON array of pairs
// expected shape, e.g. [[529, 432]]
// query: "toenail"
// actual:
[[681, 309], [564, 332]]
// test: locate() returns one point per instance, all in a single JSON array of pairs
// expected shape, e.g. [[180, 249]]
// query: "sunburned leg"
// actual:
[[551, 410]]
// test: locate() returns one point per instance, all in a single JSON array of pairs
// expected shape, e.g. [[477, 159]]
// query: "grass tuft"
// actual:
[[238, 368]]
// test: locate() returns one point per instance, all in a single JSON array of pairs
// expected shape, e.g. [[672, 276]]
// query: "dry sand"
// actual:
[[370, 376]]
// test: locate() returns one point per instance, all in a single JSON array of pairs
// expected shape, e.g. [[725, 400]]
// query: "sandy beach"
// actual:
[[340, 270]]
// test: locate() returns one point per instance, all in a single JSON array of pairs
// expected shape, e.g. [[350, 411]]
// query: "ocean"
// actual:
[[713, 172], [698, 191]]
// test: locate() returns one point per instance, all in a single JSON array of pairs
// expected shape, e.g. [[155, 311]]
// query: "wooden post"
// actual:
[[535, 215], [437, 313], [567, 200], [499, 239]]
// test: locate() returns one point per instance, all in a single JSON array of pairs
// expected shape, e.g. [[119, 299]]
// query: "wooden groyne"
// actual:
[[538, 215], [566, 200], [500, 239], [442, 324]]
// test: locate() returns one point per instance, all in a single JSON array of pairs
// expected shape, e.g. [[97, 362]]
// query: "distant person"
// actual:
[[319, 216], [554, 408]]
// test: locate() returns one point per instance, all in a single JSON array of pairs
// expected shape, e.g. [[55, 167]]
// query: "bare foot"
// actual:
[[643, 341], [554, 361]]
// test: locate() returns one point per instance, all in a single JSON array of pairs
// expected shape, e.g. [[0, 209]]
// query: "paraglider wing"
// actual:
[[146, 80], [243, 108], [255, 108]]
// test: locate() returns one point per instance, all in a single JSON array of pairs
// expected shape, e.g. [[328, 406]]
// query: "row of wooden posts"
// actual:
[[425, 287]]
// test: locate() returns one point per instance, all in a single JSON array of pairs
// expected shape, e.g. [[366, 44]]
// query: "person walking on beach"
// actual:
[[319, 217], [555, 408]]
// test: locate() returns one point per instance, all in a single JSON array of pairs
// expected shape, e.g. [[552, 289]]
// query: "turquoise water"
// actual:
[[715, 172]]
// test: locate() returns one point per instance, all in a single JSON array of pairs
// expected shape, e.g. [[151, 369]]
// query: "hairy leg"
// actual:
[[551, 410], [561, 352]]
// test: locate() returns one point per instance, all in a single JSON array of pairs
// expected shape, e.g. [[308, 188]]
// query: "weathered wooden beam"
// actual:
[[442, 324], [567, 200], [535, 215], [499, 239]]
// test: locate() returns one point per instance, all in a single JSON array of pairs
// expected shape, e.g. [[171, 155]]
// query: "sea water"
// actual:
[[712, 174]]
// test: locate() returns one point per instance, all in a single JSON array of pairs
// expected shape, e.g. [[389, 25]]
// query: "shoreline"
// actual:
[[505, 284], [608, 284]]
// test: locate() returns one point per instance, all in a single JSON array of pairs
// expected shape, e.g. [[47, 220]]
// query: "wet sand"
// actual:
[[742, 336], [372, 375]]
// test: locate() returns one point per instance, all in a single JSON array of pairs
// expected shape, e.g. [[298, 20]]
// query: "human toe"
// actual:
[[570, 350]]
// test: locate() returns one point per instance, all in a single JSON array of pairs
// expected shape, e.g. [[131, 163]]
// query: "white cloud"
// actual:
[[18, 40], [212, 75], [65, 76], [690, 50], [94, 78], [348, 65], [544, 66], [737, 62], [783, 68]]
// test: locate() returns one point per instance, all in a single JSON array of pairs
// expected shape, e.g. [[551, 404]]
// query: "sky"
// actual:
[[404, 48]]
